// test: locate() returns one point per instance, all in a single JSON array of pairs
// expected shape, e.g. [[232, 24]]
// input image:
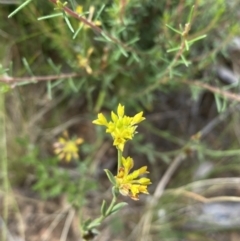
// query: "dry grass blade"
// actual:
[[67, 224], [46, 235], [144, 225]]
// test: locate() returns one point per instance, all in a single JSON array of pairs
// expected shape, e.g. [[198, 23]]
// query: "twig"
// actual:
[[199, 198], [145, 222], [40, 114], [204, 184], [215, 181], [218, 119], [223, 93], [45, 236], [94, 27], [166, 177], [33, 79], [67, 224], [60, 128]]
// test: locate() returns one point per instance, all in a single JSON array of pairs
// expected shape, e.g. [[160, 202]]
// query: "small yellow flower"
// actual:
[[60, 5], [67, 149], [122, 127], [79, 9], [97, 23], [84, 61], [128, 184]]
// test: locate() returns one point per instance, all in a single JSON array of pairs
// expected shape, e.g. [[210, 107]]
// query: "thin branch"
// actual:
[[165, 79], [34, 79], [216, 90], [67, 225], [218, 119], [46, 235], [94, 27], [145, 223]]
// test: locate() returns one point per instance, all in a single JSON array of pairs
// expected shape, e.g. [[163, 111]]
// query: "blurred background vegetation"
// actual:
[[53, 79]]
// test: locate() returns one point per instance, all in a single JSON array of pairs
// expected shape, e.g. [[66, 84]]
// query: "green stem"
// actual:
[[114, 199], [119, 159], [108, 212], [3, 159]]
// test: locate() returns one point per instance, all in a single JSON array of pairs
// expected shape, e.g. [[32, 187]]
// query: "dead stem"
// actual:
[[145, 223], [15, 80]]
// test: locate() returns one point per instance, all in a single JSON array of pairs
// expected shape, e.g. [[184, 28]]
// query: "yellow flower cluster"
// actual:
[[67, 149], [84, 61], [128, 184], [60, 5], [79, 9], [122, 128]]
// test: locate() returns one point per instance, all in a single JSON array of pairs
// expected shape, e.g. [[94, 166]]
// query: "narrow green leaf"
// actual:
[[100, 101], [95, 223], [72, 4], [191, 14], [110, 176], [181, 28], [77, 32], [72, 85], [19, 8], [81, 83], [224, 153], [86, 223], [99, 12], [224, 105], [54, 67], [184, 60], [218, 102], [56, 83], [134, 55], [68, 24], [50, 16], [117, 207], [173, 29], [24, 83], [173, 49], [103, 208], [49, 89], [197, 38], [123, 51], [132, 41], [120, 30], [186, 45], [27, 66], [106, 37]]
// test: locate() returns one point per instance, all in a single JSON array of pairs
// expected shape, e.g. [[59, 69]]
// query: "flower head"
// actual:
[[60, 5], [127, 183], [79, 9], [122, 127], [83, 62], [67, 149]]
